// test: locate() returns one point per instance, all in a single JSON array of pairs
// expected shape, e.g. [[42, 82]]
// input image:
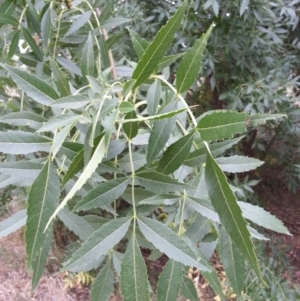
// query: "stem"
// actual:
[[95, 37], [132, 183], [57, 34], [180, 97], [22, 14], [181, 214], [115, 162], [22, 102]]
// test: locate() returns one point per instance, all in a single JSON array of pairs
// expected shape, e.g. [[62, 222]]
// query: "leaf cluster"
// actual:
[[109, 147]]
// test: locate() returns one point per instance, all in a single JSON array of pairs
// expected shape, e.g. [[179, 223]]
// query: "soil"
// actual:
[[15, 280]]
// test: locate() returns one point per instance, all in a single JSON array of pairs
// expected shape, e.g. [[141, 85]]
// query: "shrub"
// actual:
[[108, 146]]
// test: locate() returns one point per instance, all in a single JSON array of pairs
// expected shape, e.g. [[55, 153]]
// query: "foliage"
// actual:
[[276, 270], [259, 73], [106, 145]]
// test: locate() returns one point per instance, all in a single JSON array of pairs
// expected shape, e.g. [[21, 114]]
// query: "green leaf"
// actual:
[[221, 124], [199, 189], [34, 87], [139, 194], [59, 139], [158, 47], [238, 163], [103, 194], [165, 240], [13, 223], [69, 65], [86, 174], [138, 161], [170, 281], [158, 182], [103, 285], [8, 19], [233, 262], [7, 6], [76, 165], [115, 148], [175, 154], [32, 17], [262, 218], [205, 208], [155, 117], [78, 23], [76, 223], [6, 180], [189, 67], [42, 201], [257, 119], [31, 42], [244, 6], [46, 28], [26, 169], [134, 284], [87, 62], [139, 44], [160, 133], [39, 262], [114, 21], [229, 212], [99, 243], [58, 122], [188, 289], [131, 128], [104, 52], [19, 142], [30, 119], [126, 107], [106, 11], [160, 199], [153, 98], [59, 79], [168, 60], [198, 229], [14, 44], [71, 102], [198, 156], [214, 282]]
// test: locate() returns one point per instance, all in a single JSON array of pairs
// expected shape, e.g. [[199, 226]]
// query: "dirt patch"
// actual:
[[285, 205], [15, 281]]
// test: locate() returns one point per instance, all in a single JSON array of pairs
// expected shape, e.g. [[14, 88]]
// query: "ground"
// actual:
[[15, 280]]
